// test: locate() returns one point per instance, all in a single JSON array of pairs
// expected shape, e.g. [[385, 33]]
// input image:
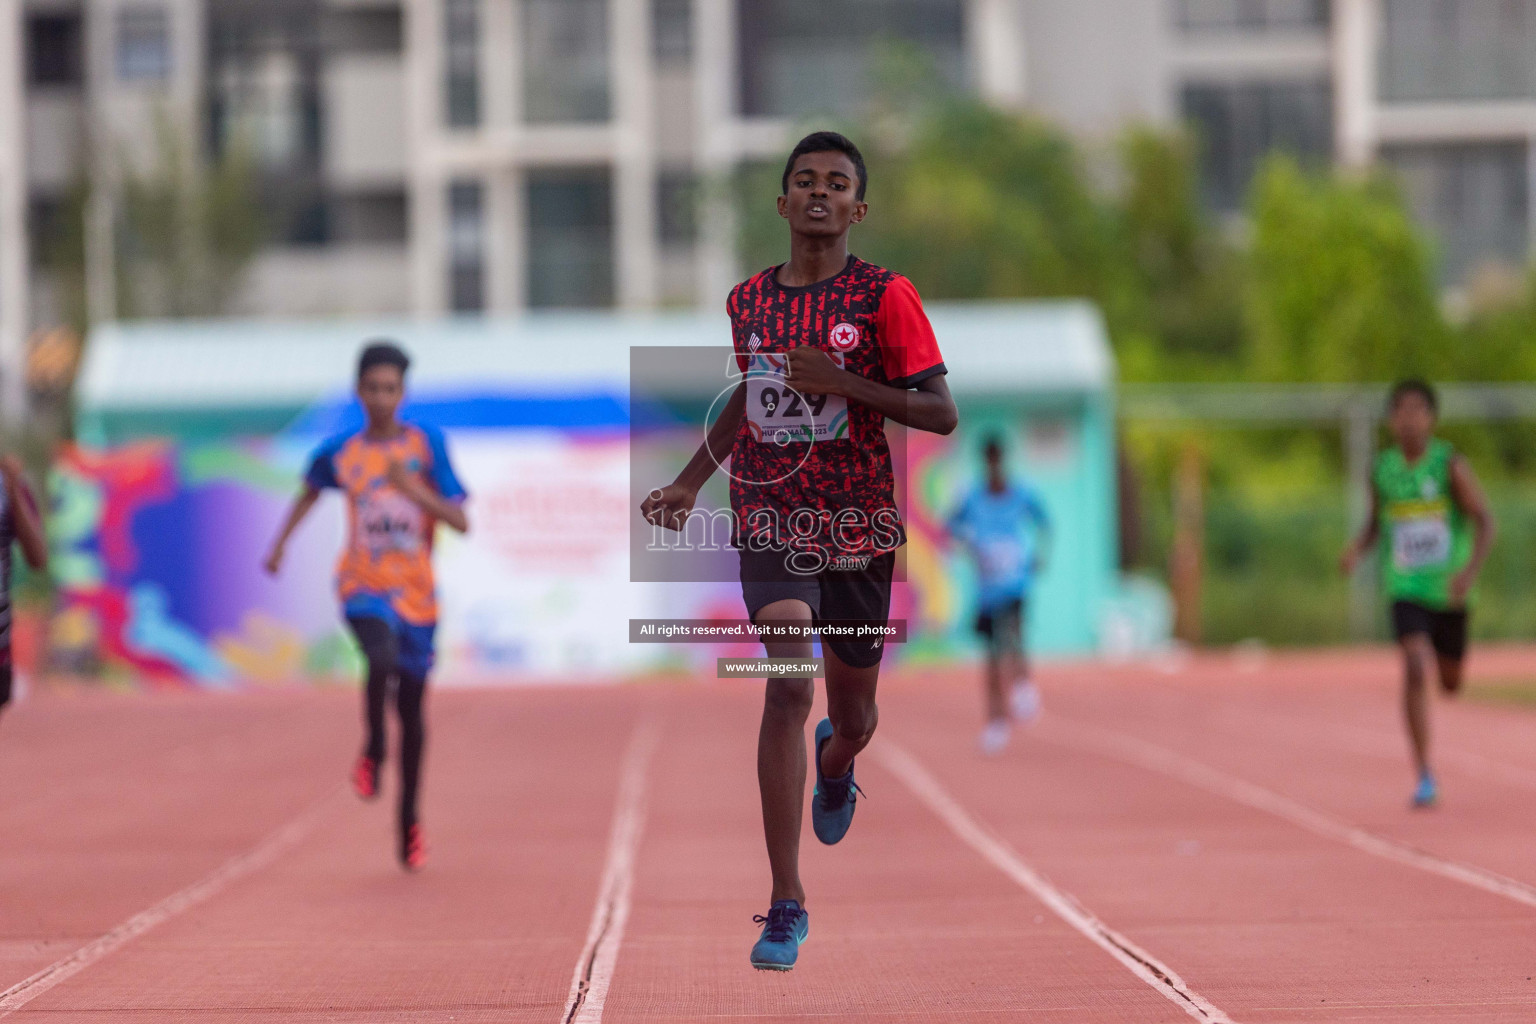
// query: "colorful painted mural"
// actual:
[[158, 550], [156, 557]]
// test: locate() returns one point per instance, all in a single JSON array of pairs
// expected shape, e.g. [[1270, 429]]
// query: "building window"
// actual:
[[308, 221], [565, 60], [570, 239], [793, 64], [1475, 198], [1251, 15], [369, 218], [47, 230], [1238, 124], [466, 247], [55, 50], [264, 97], [677, 208], [1458, 50], [362, 30], [462, 57], [672, 30], [143, 44]]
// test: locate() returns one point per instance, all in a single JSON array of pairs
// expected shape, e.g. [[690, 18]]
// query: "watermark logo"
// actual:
[[814, 513], [812, 540]]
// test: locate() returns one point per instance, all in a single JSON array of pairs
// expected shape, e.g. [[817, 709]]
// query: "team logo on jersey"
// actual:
[[754, 343], [1429, 489], [844, 336]]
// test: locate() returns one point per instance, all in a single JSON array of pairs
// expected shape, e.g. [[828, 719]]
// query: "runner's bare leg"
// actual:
[[1417, 655], [781, 762], [851, 706]]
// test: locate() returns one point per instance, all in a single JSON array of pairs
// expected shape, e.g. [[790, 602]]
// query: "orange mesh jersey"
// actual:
[[388, 554]]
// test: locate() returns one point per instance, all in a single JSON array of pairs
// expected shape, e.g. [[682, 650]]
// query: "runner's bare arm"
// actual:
[[296, 513], [669, 506], [1368, 534], [928, 406], [429, 501], [27, 520], [1468, 494]]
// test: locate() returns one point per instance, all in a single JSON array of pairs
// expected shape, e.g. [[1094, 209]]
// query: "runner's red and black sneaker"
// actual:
[[413, 848], [365, 777]]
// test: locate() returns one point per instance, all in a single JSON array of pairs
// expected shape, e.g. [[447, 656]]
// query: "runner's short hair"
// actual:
[[826, 142], [382, 353], [1414, 386]]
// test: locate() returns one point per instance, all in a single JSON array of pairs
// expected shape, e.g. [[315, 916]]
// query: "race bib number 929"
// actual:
[[778, 414]]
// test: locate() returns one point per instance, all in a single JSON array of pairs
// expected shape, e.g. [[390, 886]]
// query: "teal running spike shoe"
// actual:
[[833, 799], [1427, 794], [785, 927]]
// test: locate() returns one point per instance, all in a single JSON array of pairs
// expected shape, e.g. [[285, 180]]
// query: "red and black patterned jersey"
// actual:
[[819, 467]]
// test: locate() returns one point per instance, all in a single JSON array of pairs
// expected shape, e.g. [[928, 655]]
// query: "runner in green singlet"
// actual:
[[1434, 529]]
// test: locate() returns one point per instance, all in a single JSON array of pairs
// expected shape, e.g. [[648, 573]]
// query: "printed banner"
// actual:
[[158, 551]]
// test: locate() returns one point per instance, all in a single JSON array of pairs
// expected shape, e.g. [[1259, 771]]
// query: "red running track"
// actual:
[[1221, 839]]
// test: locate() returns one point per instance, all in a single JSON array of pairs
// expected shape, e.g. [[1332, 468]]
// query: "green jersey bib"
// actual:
[[1424, 540]]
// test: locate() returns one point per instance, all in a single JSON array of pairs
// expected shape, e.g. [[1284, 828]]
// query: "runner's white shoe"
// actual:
[[994, 738], [1025, 702]]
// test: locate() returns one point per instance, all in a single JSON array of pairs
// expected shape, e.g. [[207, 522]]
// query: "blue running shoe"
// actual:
[[785, 927], [1427, 794], [832, 800]]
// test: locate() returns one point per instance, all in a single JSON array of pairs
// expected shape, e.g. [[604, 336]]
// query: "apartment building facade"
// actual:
[[439, 157]]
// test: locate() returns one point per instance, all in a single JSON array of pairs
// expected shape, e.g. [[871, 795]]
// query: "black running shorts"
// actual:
[[1447, 630], [1003, 627], [860, 593]]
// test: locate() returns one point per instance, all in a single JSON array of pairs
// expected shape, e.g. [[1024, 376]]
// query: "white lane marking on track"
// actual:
[[274, 846], [594, 968], [1142, 754], [1138, 961]]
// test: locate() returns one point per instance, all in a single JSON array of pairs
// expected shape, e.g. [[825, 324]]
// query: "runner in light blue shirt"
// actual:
[[1005, 527]]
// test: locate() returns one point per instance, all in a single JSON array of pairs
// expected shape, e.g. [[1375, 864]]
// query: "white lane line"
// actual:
[[594, 968], [1138, 961], [1142, 754], [273, 847]]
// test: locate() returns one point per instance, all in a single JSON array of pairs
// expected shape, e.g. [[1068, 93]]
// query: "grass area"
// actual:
[[1507, 692], [1271, 569]]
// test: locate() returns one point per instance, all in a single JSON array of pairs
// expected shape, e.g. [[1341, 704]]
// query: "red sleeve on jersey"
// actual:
[[908, 349]]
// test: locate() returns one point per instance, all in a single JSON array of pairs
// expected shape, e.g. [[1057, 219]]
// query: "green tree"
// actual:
[[974, 203], [187, 229], [1191, 274], [1497, 341], [989, 204], [1340, 284]]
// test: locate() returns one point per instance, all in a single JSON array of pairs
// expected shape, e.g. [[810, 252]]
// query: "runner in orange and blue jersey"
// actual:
[[399, 485]]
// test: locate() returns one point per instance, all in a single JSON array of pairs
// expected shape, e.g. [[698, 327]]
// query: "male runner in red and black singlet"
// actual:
[[829, 347]]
